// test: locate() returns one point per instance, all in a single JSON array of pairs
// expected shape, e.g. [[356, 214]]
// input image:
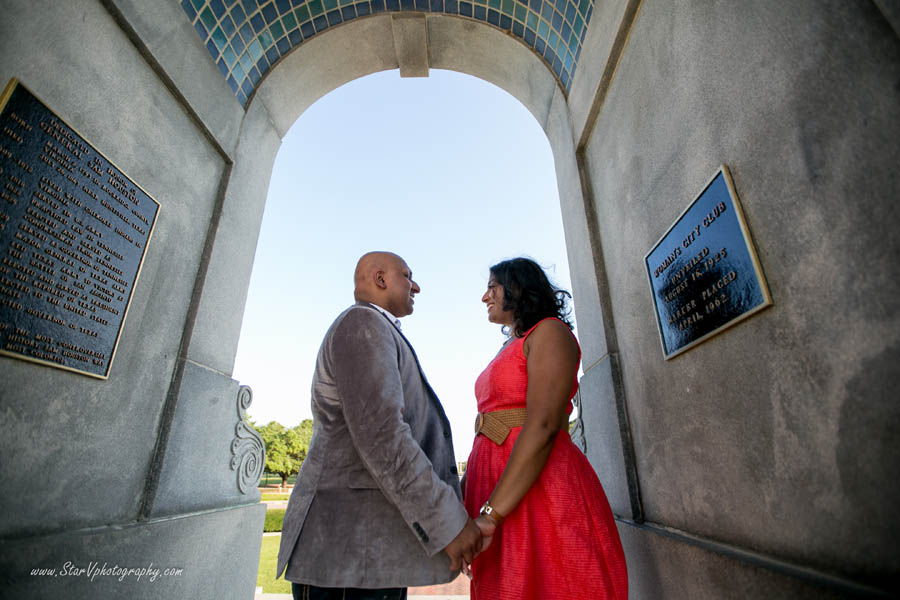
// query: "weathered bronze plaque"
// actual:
[[704, 273], [73, 233]]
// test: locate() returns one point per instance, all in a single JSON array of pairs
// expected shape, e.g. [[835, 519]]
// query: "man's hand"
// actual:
[[465, 546], [487, 528]]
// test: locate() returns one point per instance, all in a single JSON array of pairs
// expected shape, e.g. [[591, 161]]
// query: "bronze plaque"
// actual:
[[73, 233], [704, 273]]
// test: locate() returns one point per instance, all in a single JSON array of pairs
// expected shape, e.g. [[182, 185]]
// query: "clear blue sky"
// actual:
[[450, 172]]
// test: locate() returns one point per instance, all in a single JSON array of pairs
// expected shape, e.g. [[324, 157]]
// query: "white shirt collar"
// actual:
[[387, 313]]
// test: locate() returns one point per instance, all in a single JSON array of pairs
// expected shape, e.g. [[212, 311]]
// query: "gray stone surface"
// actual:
[[163, 28], [81, 447], [197, 471], [601, 430], [776, 435], [411, 44], [217, 552], [665, 568]]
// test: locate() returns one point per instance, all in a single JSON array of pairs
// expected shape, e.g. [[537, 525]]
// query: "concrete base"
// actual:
[[211, 555]]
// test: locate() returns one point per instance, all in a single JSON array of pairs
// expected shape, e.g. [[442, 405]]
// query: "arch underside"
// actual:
[[247, 38]]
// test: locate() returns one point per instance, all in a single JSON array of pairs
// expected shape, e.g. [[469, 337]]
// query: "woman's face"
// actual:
[[493, 298]]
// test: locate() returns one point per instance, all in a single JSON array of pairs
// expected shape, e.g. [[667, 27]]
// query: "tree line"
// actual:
[[286, 448]]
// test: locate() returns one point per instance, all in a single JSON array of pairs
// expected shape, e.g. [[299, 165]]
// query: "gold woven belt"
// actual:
[[496, 425]]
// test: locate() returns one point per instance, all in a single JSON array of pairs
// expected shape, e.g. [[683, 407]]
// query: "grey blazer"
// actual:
[[377, 498]]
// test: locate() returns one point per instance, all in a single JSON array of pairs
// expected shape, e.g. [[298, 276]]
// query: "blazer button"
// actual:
[[453, 470], [446, 433]]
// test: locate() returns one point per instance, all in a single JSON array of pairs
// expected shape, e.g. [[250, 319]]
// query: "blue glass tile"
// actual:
[[578, 54], [557, 65], [570, 13], [348, 12], [272, 55], [465, 9], [407, 4], [553, 41], [565, 79], [329, 5], [229, 56], [566, 32], [307, 29], [208, 18], [255, 50], [269, 12], [228, 3], [573, 43], [201, 30], [238, 44], [315, 8], [363, 9], [254, 76], [587, 16], [451, 7], [480, 13], [530, 36], [539, 45], [263, 65], [556, 23], [320, 23], [238, 72], [583, 6], [258, 23], [377, 6], [518, 29], [392, 4], [505, 22], [535, 6], [241, 97], [283, 6], [295, 37], [223, 68], [334, 17], [217, 7], [568, 62], [218, 37], [188, 9], [228, 26], [423, 5], [283, 46], [232, 84], [247, 33], [212, 49], [493, 17], [246, 63], [249, 6], [436, 6], [289, 21], [296, 3], [276, 30], [543, 30], [265, 38], [247, 88], [547, 12], [302, 14], [198, 4]]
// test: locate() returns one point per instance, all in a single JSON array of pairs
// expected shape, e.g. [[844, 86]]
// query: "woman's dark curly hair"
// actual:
[[529, 294]]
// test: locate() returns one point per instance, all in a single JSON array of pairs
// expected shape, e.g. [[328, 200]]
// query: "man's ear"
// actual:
[[379, 280]]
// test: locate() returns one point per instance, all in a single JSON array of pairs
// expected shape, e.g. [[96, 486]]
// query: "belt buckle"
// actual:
[[479, 421]]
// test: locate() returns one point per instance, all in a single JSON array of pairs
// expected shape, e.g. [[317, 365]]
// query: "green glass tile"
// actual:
[[521, 13], [289, 22], [302, 13], [583, 6], [543, 30], [507, 7], [495, 4], [554, 40], [230, 57], [208, 18], [265, 38], [532, 21], [276, 30], [315, 7], [255, 50], [329, 4], [246, 62], [579, 24], [197, 4], [346, 2], [573, 43], [218, 37]]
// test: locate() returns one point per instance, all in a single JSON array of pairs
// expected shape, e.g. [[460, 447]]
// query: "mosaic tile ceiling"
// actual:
[[247, 37]]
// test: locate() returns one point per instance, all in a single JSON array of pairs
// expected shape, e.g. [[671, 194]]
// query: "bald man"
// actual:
[[377, 505]]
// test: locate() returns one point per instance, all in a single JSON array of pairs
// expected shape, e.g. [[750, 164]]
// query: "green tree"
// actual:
[[285, 448]]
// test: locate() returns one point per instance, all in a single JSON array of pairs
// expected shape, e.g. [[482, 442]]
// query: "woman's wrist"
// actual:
[[490, 513]]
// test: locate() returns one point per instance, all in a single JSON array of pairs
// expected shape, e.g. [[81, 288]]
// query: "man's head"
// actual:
[[383, 278]]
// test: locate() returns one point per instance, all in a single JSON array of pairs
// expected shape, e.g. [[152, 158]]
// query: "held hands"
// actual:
[[474, 538]]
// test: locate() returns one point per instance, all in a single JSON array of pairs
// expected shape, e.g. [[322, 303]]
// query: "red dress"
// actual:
[[561, 540]]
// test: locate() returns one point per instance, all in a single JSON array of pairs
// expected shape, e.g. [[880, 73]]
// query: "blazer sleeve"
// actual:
[[364, 358]]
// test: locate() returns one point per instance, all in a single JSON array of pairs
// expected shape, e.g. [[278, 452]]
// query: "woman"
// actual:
[[530, 487]]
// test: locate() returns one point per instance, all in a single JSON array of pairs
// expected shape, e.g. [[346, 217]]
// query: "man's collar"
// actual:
[[387, 313]]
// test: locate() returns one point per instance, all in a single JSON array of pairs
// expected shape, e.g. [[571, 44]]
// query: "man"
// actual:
[[377, 505]]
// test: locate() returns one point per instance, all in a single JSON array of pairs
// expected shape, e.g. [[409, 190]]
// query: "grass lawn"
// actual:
[[267, 497], [274, 518], [268, 560]]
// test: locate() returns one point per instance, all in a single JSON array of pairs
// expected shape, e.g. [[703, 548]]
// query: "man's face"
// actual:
[[400, 288]]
